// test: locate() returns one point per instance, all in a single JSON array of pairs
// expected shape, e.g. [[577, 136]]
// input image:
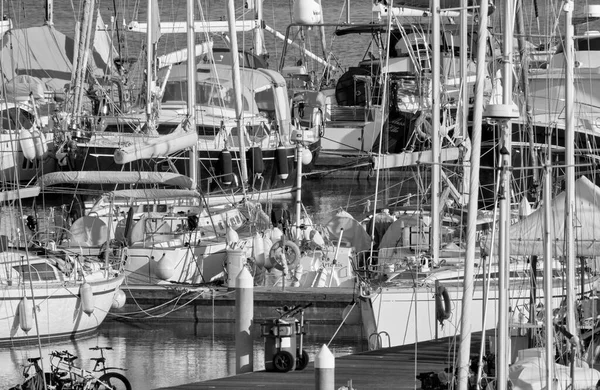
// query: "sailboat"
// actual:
[[404, 308], [345, 97], [153, 137], [37, 64], [49, 293]]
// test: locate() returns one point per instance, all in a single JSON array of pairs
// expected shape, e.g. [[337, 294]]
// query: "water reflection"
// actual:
[[158, 354]]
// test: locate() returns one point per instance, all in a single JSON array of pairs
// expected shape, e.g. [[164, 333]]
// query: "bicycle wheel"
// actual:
[[113, 381]]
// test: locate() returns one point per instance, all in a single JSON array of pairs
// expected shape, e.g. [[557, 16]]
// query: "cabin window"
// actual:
[[207, 94], [175, 91], [211, 94], [16, 118], [265, 102], [36, 272], [161, 208], [147, 208]]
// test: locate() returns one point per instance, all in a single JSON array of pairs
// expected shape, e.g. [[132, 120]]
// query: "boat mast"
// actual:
[[49, 13], [465, 329], [547, 239], [504, 201], [82, 57], [149, 58], [191, 90], [237, 87], [435, 138], [570, 168], [258, 37], [524, 84], [463, 114]]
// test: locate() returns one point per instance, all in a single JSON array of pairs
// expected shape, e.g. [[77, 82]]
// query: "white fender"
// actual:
[[25, 315], [27, 144], [276, 235], [119, 299], [87, 298], [39, 142], [165, 267], [258, 250]]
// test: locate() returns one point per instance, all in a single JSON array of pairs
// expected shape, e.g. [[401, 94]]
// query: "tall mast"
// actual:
[[237, 86], [258, 32], [49, 13], [463, 113], [504, 200], [191, 89], [435, 138], [149, 55], [82, 55], [570, 167], [524, 61], [465, 329], [549, 316]]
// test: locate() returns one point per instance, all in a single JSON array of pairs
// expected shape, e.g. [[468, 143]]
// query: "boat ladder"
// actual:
[[418, 47]]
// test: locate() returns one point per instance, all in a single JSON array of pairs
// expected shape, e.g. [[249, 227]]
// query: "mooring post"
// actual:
[[244, 313], [324, 369]]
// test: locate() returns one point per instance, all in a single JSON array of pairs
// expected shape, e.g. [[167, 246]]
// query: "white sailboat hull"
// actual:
[[59, 309], [408, 315], [188, 265]]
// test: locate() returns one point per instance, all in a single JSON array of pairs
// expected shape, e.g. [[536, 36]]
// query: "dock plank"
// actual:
[[389, 368]]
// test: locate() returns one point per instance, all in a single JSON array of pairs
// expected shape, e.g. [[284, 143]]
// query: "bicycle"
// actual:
[[39, 380], [116, 380], [70, 377]]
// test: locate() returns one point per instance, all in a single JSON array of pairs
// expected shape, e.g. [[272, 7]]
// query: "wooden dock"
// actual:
[[217, 305], [390, 368]]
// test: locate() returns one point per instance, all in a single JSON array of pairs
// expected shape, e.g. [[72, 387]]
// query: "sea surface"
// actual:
[[160, 354]]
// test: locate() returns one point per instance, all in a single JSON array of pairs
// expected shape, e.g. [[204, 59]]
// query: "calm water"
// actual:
[[160, 354]]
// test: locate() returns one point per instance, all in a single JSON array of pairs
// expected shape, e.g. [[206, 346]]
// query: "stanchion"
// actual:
[[324, 369], [244, 313]]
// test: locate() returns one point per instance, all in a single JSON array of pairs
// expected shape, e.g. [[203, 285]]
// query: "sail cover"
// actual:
[[42, 52], [115, 177], [526, 236]]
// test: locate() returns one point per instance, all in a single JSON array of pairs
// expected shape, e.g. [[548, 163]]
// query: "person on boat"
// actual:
[[281, 217]]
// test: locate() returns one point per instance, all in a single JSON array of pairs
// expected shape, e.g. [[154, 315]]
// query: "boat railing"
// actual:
[[379, 340], [387, 261]]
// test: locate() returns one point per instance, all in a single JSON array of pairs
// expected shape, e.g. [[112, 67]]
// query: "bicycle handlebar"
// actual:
[[96, 348], [65, 355]]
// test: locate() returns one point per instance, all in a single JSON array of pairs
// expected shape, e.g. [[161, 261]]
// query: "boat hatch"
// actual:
[[37, 272]]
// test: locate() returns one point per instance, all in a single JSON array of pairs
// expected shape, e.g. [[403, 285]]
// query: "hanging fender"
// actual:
[[318, 122], [291, 253], [442, 311]]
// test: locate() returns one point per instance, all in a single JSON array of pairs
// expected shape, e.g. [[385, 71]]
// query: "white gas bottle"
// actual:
[[307, 12]]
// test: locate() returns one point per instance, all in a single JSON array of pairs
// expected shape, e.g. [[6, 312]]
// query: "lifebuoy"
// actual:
[[291, 252], [442, 312]]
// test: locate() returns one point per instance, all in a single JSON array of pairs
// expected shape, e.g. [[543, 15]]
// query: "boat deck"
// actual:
[[390, 368]]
